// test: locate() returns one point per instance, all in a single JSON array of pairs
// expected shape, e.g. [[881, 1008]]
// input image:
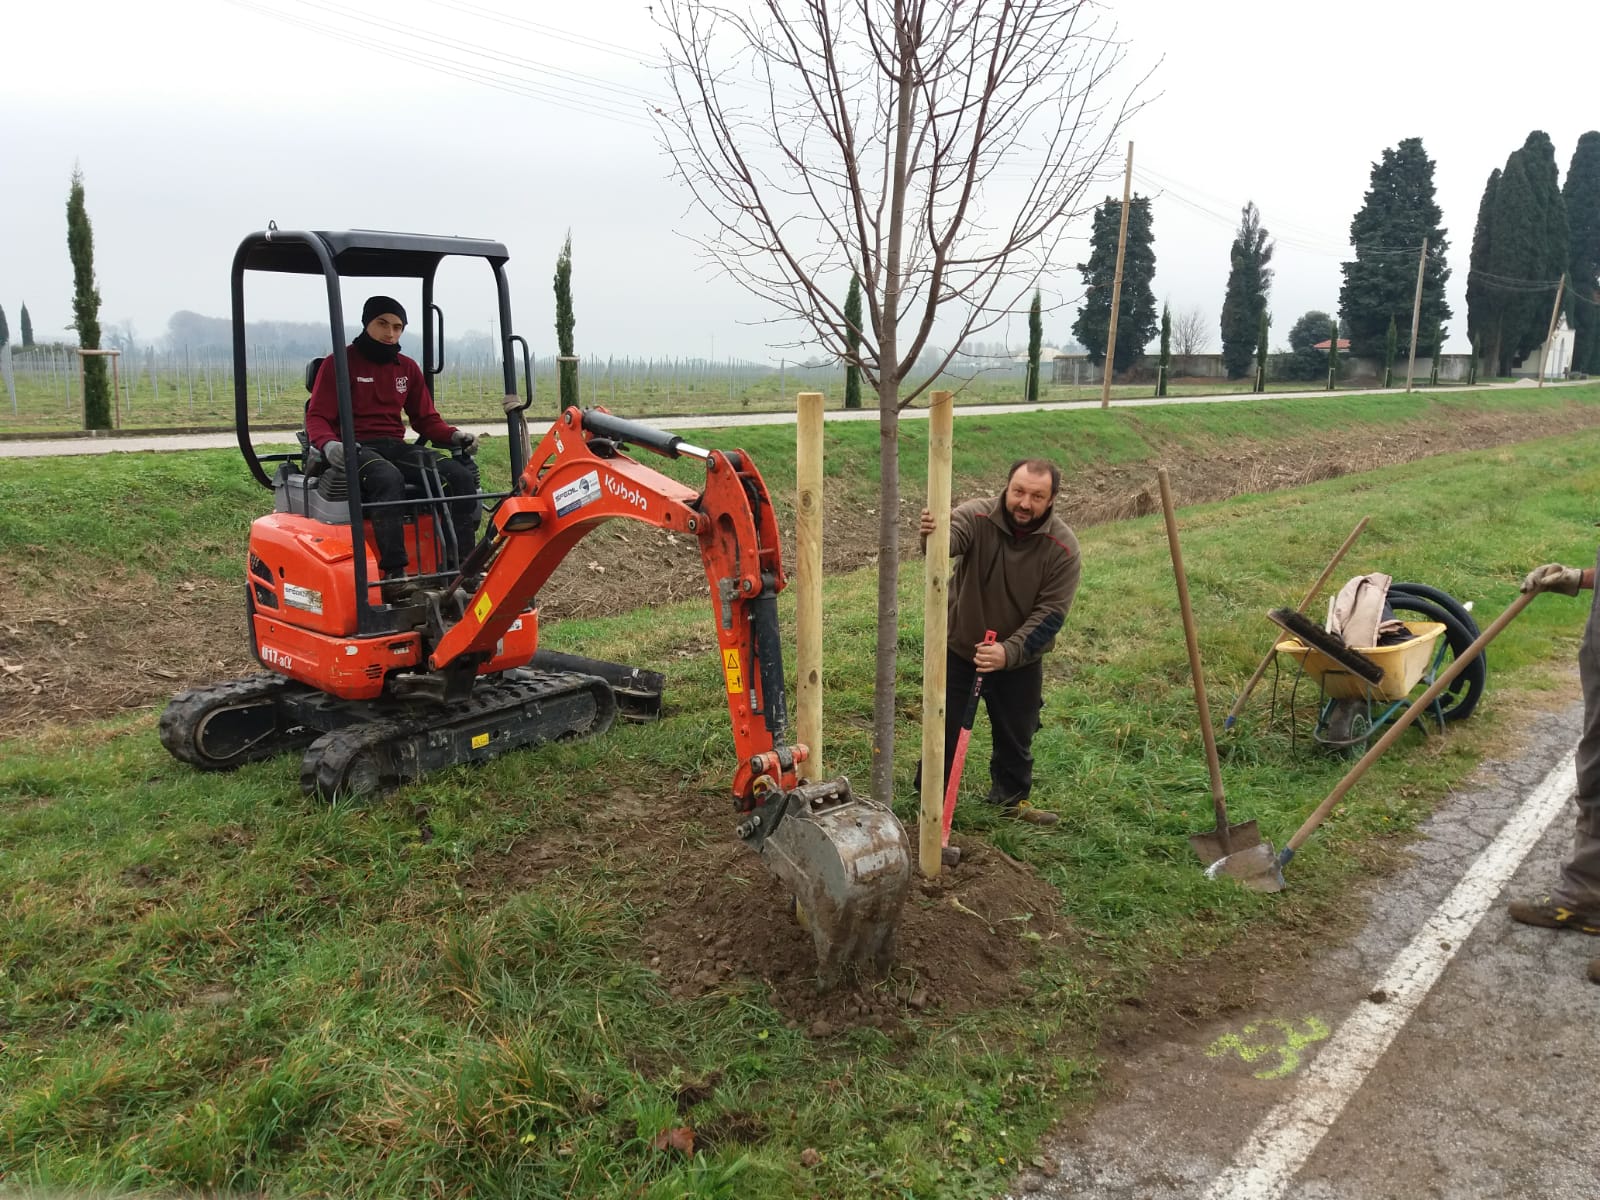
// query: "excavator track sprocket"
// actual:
[[225, 725]]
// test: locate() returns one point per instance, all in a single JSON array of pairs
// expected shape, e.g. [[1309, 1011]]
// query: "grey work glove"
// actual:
[[466, 441], [1553, 577], [333, 451]]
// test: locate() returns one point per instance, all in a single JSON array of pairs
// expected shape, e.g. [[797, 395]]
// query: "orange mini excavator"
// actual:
[[377, 694]]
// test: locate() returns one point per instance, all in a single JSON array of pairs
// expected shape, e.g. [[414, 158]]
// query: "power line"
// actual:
[[598, 106]]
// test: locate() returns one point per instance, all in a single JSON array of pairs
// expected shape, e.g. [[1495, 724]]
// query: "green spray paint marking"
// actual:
[[1288, 1050]]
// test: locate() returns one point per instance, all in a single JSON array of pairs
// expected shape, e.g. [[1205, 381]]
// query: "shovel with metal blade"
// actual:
[[1225, 839], [1262, 870], [848, 863]]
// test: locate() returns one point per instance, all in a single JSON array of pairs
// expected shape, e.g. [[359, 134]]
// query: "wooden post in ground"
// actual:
[[1416, 315], [808, 580], [1116, 282], [1555, 312], [935, 630]]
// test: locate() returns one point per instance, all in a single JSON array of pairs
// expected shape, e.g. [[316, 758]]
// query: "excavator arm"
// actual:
[[844, 857]]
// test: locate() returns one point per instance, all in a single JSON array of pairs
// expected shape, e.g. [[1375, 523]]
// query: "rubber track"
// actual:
[[324, 770], [180, 720]]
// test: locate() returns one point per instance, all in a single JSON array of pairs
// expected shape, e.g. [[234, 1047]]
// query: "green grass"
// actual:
[[206, 984]]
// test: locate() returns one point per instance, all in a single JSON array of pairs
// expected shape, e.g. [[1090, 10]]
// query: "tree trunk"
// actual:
[[884, 707]]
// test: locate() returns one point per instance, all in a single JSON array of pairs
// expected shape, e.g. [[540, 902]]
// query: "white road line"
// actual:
[[1283, 1142]]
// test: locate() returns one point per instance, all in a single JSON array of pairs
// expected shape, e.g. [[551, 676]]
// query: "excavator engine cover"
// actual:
[[848, 863]]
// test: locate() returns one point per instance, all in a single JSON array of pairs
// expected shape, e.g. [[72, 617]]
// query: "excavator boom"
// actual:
[[844, 857]]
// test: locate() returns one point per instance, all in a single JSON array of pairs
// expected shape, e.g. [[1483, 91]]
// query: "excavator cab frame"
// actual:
[[367, 253]]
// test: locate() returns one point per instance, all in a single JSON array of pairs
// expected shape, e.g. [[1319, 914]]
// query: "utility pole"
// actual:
[[1116, 284], [1416, 314], [1555, 311]]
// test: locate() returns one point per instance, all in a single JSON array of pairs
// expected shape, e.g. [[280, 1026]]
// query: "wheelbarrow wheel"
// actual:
[[1443, 599], [1462, 696]]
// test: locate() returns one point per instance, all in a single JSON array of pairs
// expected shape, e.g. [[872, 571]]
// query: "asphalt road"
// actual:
[[117, 442], [1444, 1052]]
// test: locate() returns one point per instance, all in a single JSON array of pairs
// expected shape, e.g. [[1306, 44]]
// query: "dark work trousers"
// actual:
[[1014, 699], [1580, 874], [386, 466]]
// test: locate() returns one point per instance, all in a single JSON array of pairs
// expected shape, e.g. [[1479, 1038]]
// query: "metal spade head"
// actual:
[[1257, 868], [1209, 846]]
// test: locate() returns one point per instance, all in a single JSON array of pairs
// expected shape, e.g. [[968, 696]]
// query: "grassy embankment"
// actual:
[[208, 984]]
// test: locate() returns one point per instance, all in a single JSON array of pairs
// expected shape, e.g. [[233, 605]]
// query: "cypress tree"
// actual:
[[1391, 342], [1550, 234], [86, 308], [1035, 345], [1513, 253], [1582, 194], [1483, 299], [1261, 352], [1245, 301], [1333, 356], [5, 330], [1136, 317], [852, 341], [1166, 350], [1396, 214], [568, 373], [27, 329]]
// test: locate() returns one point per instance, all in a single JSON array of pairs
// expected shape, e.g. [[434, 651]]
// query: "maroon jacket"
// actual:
[[379, 393]]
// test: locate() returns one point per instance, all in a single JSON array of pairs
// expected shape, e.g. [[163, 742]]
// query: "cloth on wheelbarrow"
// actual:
[[1360, 613]]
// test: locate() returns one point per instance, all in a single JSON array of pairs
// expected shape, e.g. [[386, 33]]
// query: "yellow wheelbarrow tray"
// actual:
[[1403, 663]]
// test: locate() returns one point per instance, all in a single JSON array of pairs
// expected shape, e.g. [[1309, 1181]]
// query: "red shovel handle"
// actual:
[[967, 718]]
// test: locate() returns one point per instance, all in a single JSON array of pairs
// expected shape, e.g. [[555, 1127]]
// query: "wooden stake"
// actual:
[[1555, 311], [1116, 283], [935, 634], [1416, 315], [808, 580]]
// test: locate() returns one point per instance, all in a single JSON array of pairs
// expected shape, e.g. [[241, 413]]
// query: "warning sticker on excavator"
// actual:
[[480, 740], [482, 608], [733, 671], [581, 491]]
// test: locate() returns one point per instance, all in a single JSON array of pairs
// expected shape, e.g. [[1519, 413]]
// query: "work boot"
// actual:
[[1549, 914], [1018, 808], [1023, 810], [400, 590]]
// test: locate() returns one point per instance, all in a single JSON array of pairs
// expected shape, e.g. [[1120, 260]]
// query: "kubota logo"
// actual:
[[623, 492]]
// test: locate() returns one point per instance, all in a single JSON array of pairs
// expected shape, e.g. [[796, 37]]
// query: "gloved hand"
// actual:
[[1553, 577], [333, 451], [466, 441]]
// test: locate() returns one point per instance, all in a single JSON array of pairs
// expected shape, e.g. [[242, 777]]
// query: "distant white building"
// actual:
[[1556, 355]]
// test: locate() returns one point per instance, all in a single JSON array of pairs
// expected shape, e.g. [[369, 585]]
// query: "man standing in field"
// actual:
[[384, 385], [1016, 573], [1574, 903]]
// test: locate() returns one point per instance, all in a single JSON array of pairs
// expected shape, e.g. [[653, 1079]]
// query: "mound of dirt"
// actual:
[[716, 916]]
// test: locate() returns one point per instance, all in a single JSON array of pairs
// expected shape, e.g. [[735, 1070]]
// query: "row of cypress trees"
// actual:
[[1532, 231]]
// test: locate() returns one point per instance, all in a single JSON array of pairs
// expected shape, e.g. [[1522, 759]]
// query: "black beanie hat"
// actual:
[[376, 306]]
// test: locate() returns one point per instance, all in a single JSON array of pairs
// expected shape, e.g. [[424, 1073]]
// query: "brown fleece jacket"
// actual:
[[1020, 587]]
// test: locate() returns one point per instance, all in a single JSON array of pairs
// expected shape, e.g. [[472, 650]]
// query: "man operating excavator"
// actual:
[[384, 384]]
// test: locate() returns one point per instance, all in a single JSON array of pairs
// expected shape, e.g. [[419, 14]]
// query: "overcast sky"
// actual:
[[197, 121]]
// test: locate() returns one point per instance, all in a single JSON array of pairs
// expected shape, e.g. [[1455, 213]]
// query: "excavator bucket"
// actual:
[[848, 863]]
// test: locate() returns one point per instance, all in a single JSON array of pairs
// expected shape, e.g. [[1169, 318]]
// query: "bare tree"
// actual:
[[935, 150], [1190, 333]]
